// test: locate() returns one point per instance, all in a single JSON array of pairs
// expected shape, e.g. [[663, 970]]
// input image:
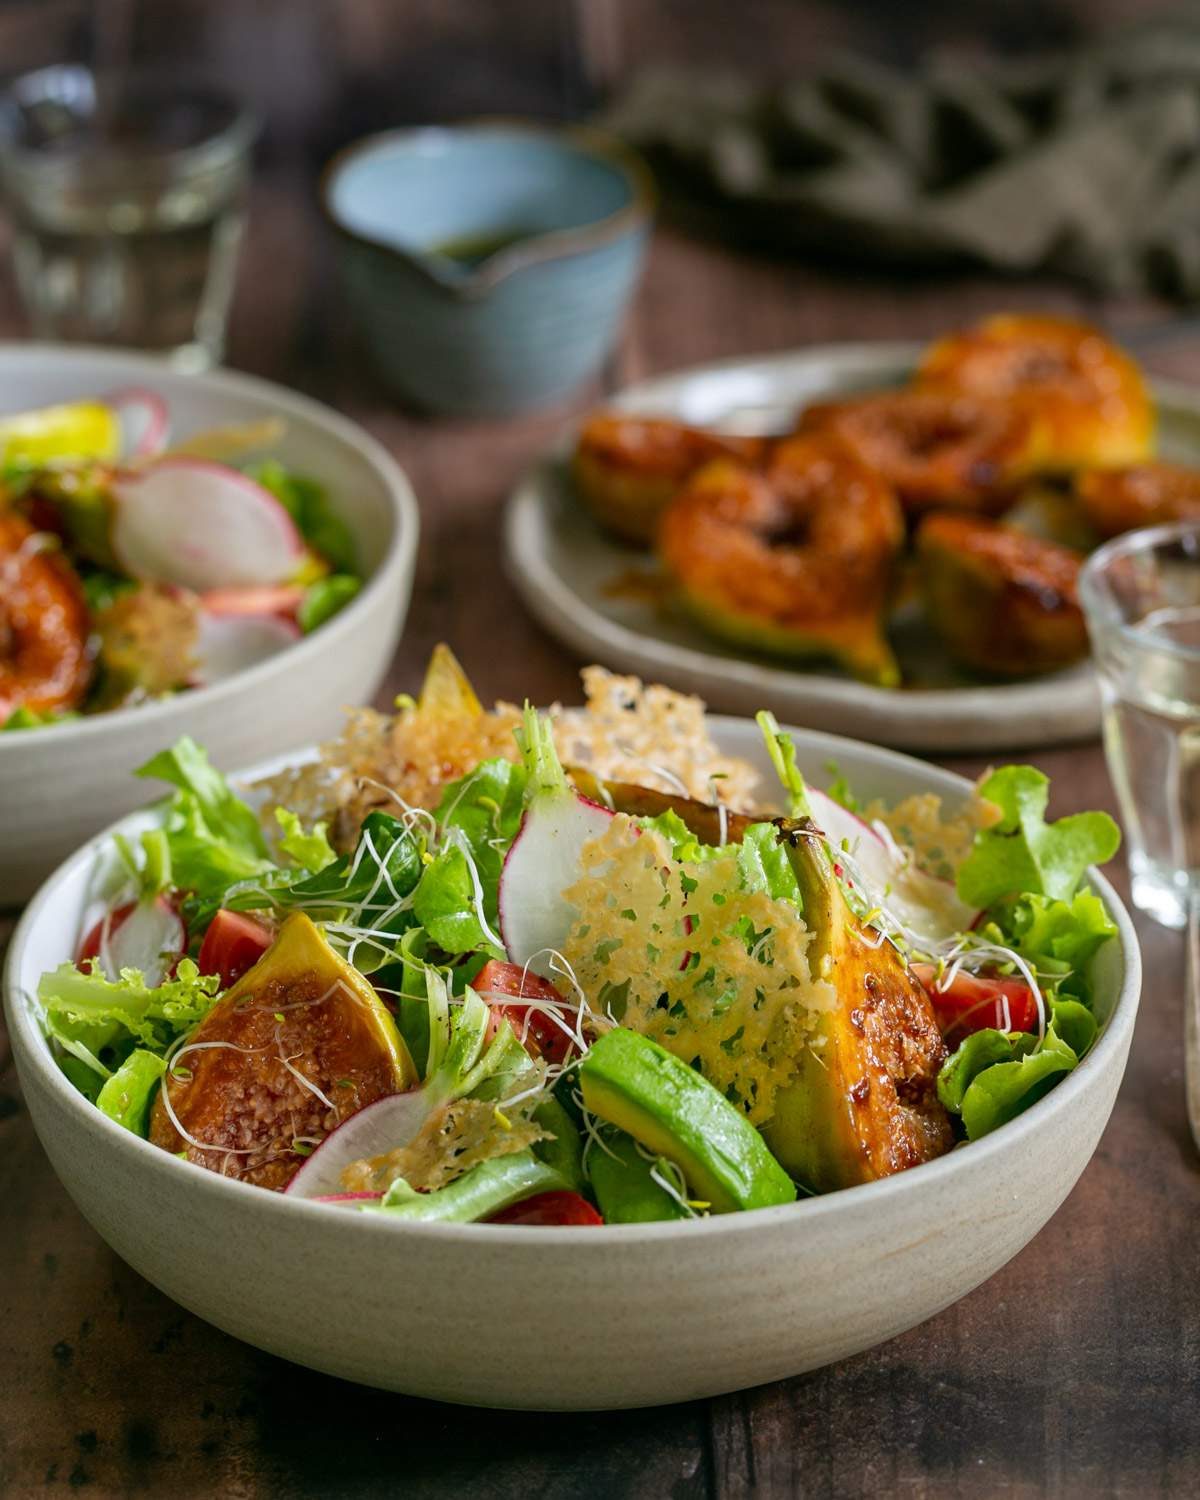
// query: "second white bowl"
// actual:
[[59, 784]]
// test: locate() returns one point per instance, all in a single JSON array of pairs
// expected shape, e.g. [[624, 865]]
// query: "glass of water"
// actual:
[[127, 199], [1141, 595]]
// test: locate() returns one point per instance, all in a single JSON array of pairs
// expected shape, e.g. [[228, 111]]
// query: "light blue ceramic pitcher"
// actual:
[[488, 264]]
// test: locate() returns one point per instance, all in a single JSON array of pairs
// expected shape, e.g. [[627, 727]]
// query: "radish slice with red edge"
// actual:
[[349, 1198], [544, 859], [231, 643], [542, 862], [201, 525], [389, 1122], [927, 906], [144, 935], [144, 421], [280, 599]]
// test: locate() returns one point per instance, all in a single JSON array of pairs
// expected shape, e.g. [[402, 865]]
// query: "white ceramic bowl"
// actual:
[[61, 783], [631, 1315]]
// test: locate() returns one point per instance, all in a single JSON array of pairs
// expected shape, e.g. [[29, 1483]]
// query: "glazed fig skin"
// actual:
[[864, 1104], [1117, 500], [1004, 604], [300, 1002], [1087, 396], [628, 469], [937, 449], [796, 561]]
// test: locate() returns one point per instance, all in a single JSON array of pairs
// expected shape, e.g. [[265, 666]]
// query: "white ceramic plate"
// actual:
[[565, 568], [628, 1315], [61, 783]]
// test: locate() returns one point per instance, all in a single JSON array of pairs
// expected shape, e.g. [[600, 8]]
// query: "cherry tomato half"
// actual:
[[233, 943], [539, 1032], [560, 1207], [973, 1002]]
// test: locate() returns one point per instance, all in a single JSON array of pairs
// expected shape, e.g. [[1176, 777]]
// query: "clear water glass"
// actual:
[[127, 201], [1141, 595]]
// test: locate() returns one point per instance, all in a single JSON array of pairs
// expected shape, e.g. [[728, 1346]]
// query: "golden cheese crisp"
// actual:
[[716, 973], [627, 731], [938, 844]]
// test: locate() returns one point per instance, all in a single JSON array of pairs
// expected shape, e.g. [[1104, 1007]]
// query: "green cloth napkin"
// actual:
[[1086, 164]]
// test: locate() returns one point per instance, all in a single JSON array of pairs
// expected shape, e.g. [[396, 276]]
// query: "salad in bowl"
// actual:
[[575, 968], [134, 568]]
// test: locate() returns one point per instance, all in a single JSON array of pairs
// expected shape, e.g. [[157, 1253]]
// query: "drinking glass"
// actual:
[[126, 195], [1141, 595]]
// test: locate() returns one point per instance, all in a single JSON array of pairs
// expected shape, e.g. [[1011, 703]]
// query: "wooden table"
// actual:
[[1074, 1371]]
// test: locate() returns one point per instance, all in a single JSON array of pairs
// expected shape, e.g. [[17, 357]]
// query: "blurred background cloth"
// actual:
[[1085, 163]]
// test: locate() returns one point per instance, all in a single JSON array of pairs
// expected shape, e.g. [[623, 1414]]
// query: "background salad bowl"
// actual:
[[573, 1318], [60, 782]]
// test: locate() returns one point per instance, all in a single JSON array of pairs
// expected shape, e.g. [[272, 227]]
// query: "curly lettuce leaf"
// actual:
[[88, 1014], [1022, 853], [1058, 939], [685, 846], [212, 835], [975, 1053], [994, 1076], [312, 851], [763, 864]]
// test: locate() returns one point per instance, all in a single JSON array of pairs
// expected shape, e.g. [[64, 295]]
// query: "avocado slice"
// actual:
[[864, 1103], [632, 1082], [621, 1181], [300, 1009]]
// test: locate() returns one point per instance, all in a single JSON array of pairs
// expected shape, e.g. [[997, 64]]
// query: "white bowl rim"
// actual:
[[30, 1043], [399, 556]]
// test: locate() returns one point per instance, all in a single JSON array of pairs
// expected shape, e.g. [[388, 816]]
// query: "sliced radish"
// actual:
[[231, 643], [144, 420], [283, 599], [348, 1198], [927, 906], [202, 526], [146, 935], [382, 1126], [542, 862]]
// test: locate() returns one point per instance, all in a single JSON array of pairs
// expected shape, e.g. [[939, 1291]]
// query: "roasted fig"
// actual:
[[300, 1043], [864, 1104]]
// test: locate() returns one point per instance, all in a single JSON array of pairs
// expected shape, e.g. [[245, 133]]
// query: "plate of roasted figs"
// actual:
[[876, 539]]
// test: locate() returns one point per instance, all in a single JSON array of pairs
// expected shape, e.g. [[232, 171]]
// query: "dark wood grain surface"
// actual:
[[1075, 1371]]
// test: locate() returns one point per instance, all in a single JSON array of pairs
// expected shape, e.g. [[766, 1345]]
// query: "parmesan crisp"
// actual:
[[939, 845], [717, 974], [649, 736]]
